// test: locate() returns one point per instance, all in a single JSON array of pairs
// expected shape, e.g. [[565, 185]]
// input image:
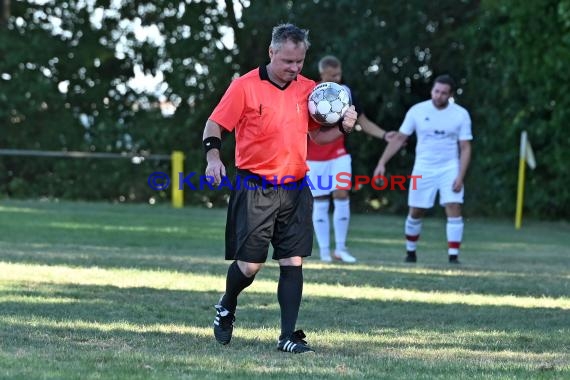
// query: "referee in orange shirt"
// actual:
[[267, 108]]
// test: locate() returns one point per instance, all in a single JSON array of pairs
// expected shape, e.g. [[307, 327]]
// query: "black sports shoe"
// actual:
[[294, 343], [410, 257], [223, 324], [454, 259]]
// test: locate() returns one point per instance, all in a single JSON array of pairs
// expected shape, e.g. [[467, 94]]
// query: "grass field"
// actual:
[[100, 291]]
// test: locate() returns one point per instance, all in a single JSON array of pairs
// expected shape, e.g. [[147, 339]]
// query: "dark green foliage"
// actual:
[[509, 59], [517, 77]]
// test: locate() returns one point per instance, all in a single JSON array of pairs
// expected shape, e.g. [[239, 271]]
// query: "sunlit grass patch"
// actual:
[[103, 291], [132, 278]]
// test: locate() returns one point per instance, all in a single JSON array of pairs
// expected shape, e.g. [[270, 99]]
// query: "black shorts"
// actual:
[[260, 213]]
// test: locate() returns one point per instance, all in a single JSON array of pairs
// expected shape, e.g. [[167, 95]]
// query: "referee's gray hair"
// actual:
[[329, 61], [288, 32]]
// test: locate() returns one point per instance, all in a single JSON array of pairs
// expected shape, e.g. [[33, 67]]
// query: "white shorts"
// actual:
[[324, 176], [431, 182]]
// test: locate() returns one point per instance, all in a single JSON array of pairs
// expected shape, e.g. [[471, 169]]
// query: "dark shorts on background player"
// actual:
[[260, 213]]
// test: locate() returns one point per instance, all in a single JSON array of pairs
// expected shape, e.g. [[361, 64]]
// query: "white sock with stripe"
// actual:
[[412, 229], [454, 230]]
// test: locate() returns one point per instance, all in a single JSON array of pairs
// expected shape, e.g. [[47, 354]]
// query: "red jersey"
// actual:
[[271, 124], [334, 149]]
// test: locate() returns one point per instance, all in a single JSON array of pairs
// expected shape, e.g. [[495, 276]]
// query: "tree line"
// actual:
[[67, 69]]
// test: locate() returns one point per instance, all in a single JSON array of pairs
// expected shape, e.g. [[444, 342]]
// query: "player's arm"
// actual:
[[464, 160], [325, 135], [212, 141], [373, 129], [393, 146]]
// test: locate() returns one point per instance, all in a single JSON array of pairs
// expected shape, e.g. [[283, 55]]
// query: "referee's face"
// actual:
[[287, 62], [440, 94]]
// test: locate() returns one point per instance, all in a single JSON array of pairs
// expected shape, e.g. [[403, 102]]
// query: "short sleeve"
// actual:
[[230, 108], [408, 125], [465, 128]]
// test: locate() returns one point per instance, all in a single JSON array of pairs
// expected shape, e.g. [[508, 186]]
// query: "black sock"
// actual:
[[289, 293], [236, 281]]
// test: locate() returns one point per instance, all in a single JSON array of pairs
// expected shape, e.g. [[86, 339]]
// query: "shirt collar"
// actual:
[[263, 75]]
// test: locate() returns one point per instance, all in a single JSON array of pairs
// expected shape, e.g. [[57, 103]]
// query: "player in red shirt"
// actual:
[[325, 162], [267, 108]]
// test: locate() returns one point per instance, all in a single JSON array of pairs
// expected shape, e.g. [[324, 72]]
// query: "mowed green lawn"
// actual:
[[100, 291]]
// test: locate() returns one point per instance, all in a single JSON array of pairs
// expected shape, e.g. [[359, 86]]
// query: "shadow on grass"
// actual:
[[145, 306], [62, 330], [207, 259]]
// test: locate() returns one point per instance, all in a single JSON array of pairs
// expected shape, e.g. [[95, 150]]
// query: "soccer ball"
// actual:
[[328, 102]]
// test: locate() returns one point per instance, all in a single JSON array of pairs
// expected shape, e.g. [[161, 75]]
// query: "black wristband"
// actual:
[[212, 142], [341, 128]]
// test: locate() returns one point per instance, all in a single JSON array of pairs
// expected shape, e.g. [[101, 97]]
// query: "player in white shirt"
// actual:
[[443, 153]]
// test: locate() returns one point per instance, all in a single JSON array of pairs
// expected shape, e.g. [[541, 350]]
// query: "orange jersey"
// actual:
[[271, 124]]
